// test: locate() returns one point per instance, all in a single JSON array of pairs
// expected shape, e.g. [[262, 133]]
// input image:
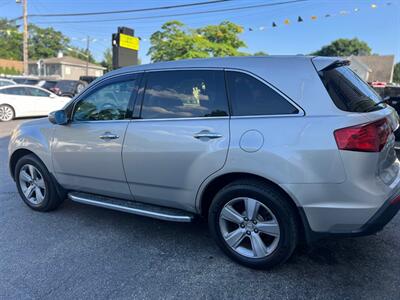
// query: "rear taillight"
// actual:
[[370, 137]]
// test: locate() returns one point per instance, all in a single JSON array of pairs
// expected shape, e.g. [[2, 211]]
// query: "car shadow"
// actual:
[[92, 238]]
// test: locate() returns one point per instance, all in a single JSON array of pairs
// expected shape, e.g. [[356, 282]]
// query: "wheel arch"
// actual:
[[16, 155], [207, 195]]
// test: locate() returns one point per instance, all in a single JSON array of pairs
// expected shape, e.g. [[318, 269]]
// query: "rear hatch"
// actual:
[[374, 135]]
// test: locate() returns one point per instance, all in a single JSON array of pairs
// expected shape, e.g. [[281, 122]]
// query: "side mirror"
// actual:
[[58, 117], [53, 96]]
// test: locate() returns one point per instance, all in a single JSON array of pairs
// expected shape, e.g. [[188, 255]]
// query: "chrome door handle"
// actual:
[[208, 135], [109, 136]]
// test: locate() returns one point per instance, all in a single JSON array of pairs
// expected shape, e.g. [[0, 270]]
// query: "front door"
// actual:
[[87, 151], [43, 101], [180, 138]]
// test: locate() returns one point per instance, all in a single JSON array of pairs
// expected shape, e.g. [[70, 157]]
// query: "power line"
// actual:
[[177, 15], [129, 10]]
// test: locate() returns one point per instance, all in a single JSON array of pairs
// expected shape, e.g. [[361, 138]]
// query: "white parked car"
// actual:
[[6, 82], [27, 100]]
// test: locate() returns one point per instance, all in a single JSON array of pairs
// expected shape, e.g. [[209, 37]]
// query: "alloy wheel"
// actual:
[[6, 113], [32, 184], [249, 227]]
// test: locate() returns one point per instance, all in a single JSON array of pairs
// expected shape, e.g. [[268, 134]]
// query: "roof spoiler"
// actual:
[[327, 63]]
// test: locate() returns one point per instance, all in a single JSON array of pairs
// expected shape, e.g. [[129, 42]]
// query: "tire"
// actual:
[[44, 187], [7, 113], [275, 215]]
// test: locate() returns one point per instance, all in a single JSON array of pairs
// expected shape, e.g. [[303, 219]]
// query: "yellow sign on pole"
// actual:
[[127, 41]]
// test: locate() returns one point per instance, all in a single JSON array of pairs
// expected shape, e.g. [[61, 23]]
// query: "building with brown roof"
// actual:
[[373, 67], [65, 67]]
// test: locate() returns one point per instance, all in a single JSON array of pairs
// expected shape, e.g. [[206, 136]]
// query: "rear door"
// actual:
[[180, 138], [18, 98], [87, 151]]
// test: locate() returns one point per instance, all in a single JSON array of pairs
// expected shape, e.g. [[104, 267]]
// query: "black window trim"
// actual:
[[101, 83], [301, 112], [139, 103]]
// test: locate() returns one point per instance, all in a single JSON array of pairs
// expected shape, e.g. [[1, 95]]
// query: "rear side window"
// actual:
[[20, 91], [348, 91], [249, 96], [184, 94]]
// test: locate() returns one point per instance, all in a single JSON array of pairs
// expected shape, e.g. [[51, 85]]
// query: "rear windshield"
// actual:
[[348, 91]]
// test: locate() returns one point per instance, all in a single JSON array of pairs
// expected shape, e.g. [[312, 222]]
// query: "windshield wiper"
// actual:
[[380, 102]]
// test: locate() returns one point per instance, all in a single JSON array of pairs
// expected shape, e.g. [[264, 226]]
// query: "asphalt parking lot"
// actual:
[[86, 252]]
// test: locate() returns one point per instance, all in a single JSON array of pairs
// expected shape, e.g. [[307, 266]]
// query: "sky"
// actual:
[[375, 22]]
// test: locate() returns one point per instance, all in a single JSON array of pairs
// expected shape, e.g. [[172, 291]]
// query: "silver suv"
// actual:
[[273, 151]]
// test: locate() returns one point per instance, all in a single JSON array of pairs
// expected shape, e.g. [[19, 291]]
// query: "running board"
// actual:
[[136, 208]]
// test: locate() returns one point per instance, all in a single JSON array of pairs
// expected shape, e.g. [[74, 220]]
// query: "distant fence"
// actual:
[[8, 64]]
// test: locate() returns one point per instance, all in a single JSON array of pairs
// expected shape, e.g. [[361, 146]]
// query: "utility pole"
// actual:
[[25, 42], [87, 55]]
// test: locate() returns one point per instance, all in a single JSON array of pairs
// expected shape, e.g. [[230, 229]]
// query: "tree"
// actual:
[[45, 42], [396, 74], [107, 60], [9, 71], [260, 53], [222, 39], [176, 41], [344, 47], [10, 40]]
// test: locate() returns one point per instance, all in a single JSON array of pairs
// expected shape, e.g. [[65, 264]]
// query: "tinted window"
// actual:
[[184, 94], [26, 81], [70, 86], [14, 91], [31, 81], [109, 102], [249, 96], [348, 91], [36, 92], [19, 80], [49, 84]]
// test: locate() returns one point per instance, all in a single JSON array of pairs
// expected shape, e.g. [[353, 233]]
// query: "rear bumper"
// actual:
[[375, 224]]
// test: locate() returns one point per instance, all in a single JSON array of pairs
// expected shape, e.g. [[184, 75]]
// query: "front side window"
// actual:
[[109, 102], [348, 91], [36, 92], [249, 96], [184, 94]]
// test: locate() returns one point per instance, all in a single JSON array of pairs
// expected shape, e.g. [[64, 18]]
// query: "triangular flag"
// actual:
[[250, 29], [299, 19], [313, 17], [327, 15], [374, 6], [286, 22], [273, 24]]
